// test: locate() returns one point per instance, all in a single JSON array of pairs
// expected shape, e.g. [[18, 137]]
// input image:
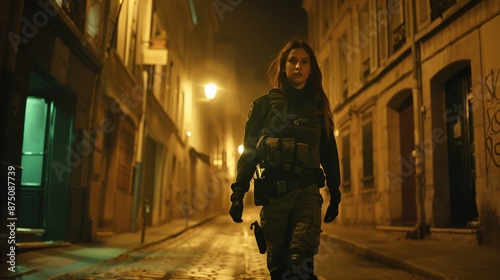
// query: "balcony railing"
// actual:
[[398, 37]]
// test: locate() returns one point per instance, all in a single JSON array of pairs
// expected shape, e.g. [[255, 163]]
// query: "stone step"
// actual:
[[463, 236]]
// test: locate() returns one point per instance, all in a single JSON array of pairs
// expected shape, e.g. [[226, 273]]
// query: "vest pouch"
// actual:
[[263, 190], [302, 154], [288, 147], [273, 151]]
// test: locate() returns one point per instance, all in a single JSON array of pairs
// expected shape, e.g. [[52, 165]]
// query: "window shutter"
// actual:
[[132, 48], [133, 42], [93, 25], [383, 38], [368, 163], [422, 14], [346, 162], [409, 19], [372, 7]]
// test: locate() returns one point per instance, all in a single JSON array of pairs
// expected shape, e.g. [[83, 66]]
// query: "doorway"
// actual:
[[407, 144], [460, 135], [150, 166], [46, 153]]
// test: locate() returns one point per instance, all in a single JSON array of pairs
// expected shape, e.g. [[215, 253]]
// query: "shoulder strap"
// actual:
[[276, 97]]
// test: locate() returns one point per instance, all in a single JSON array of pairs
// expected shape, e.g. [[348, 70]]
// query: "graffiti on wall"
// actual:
[[492, 108]]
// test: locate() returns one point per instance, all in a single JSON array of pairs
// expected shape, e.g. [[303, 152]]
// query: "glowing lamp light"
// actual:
[[240, 149], [210, 91], [188, 133]]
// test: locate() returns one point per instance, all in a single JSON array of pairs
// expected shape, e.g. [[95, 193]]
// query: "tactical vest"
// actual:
[[289, 142]]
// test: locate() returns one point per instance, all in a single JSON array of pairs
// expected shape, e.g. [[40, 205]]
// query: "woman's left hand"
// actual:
[[331, 212]]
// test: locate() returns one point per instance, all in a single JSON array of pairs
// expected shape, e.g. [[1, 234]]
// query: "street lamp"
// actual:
[[210, 91]]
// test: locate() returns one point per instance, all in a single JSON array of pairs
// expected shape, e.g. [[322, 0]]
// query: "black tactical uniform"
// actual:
[[291, 220]]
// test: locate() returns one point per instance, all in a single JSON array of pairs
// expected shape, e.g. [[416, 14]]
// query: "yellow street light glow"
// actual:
[[188, 133], [210, 91], [240, 149]]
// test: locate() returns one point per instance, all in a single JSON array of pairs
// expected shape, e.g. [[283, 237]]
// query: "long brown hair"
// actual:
[[276, 77]]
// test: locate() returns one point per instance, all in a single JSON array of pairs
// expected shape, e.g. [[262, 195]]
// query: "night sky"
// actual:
[[258, 29]]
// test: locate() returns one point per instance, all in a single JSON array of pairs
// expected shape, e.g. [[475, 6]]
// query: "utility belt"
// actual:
[[267, 187]]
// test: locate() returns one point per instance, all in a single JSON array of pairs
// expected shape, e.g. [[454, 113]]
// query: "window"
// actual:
[[34, 146], [346, 163], [344, 56], [364, 37], [175, 100], [75, 9], [131, 37], [168, 92], [182, 102], [93, 23], [438, 7], [133, 43], [383, 21], [125, 157], [158, 81], [397, 28], [367, 130], [158, 33]]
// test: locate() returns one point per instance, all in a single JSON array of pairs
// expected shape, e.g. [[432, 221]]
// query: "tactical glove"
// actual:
[[333, 209], [236, 210]]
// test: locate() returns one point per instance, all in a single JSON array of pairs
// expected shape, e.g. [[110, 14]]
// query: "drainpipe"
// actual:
[[137, 181], [418, 153], [146, 10]]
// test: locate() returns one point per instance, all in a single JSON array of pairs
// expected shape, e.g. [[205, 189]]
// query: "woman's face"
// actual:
[[298, 67]]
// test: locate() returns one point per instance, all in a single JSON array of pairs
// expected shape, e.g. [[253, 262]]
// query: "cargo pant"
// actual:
[[291, 225]]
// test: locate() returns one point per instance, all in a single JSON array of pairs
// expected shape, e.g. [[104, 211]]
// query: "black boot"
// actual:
[[302, 266]]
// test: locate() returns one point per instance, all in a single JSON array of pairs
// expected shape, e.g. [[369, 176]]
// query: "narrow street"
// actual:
[[221, 249]]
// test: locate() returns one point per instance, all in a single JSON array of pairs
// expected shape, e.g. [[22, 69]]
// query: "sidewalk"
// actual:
[[430, 258], [49, 263]]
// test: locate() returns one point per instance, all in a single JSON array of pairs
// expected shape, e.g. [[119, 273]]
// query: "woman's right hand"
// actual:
[[236, 210]]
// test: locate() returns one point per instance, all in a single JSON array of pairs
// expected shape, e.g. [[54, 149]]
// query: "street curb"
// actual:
[[377, 255], [173, 235]]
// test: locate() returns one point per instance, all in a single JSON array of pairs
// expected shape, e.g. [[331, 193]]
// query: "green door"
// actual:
[[34, 155], [47, 160]]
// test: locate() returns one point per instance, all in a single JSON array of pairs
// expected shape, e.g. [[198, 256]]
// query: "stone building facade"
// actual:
[[97, 99], [413, 86]]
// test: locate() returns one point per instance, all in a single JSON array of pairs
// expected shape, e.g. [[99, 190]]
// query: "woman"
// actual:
[[289, 132]]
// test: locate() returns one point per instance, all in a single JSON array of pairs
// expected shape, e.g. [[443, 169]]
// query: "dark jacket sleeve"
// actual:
[[249, 158], [330, 160]]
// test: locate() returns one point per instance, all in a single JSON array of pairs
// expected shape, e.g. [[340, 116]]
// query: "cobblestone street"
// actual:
[[216, 250], [221, 249]]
